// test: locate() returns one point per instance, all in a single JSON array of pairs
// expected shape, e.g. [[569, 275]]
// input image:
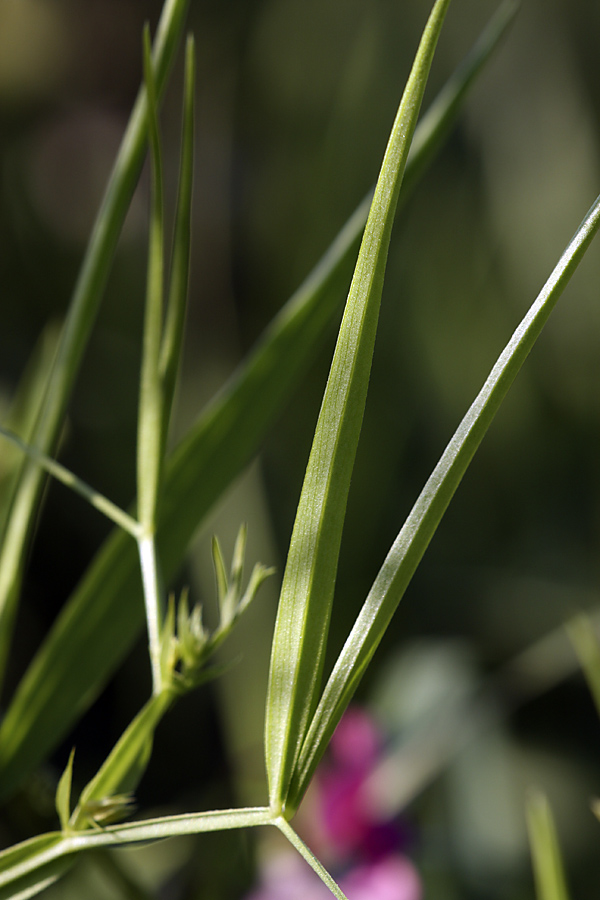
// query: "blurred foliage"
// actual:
[[288, 141]]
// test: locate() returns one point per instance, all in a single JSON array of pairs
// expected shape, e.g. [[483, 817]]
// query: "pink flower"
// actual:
[[391, 878], [350, 826], [339, 822], [288, 877], [356, 742]]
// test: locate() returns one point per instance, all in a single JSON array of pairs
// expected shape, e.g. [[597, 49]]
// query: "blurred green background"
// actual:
[[295, 99]]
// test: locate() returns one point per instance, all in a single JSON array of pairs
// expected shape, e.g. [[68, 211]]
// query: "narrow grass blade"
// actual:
[[416, 533], [150, 422], [172, 341], [309, 580], [161, 350], [585, 641], [220, 570], [105, 614], [24, 410], [78, 324], [550, 880], [63, 793]]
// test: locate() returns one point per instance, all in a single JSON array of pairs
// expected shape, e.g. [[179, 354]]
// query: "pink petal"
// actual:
[[356, 741], [392, 878]]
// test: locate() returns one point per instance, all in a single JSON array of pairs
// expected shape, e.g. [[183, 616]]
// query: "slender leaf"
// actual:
[[63, 793], [220, 571], [150, 438], [161, 351], [416, 533], [170, 352], [547, 864], [24, 410], [78, 324], [309, 580], [105, 614]]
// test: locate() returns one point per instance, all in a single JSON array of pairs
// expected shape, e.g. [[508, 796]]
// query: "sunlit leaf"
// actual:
[[150, 438], [550, 880], [172, 339], [23, 412], [418, 529], [63, 793], [309, 580]]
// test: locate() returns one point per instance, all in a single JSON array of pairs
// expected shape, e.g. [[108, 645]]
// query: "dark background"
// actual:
[[295, 99]]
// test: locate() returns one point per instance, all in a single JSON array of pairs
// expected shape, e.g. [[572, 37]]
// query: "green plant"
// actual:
[[175, 492]]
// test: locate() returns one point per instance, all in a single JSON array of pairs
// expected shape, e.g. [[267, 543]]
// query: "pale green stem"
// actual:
[[56, 846], [66, 477], [151, 586], [309, 856]]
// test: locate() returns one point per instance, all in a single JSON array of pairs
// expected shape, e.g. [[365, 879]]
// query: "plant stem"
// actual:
[[309, 856], [152, 600], [66, 477]]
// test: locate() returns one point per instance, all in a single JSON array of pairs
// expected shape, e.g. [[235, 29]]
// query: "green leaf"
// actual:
[[220, 571], [162, 346], [63, 793], [23, 412], [104, 616], [229, 601], [78, 324], [416, 533], [30, 867], [161, 352], [309, 579], [172, 341], [150, 439], [547, 864]]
